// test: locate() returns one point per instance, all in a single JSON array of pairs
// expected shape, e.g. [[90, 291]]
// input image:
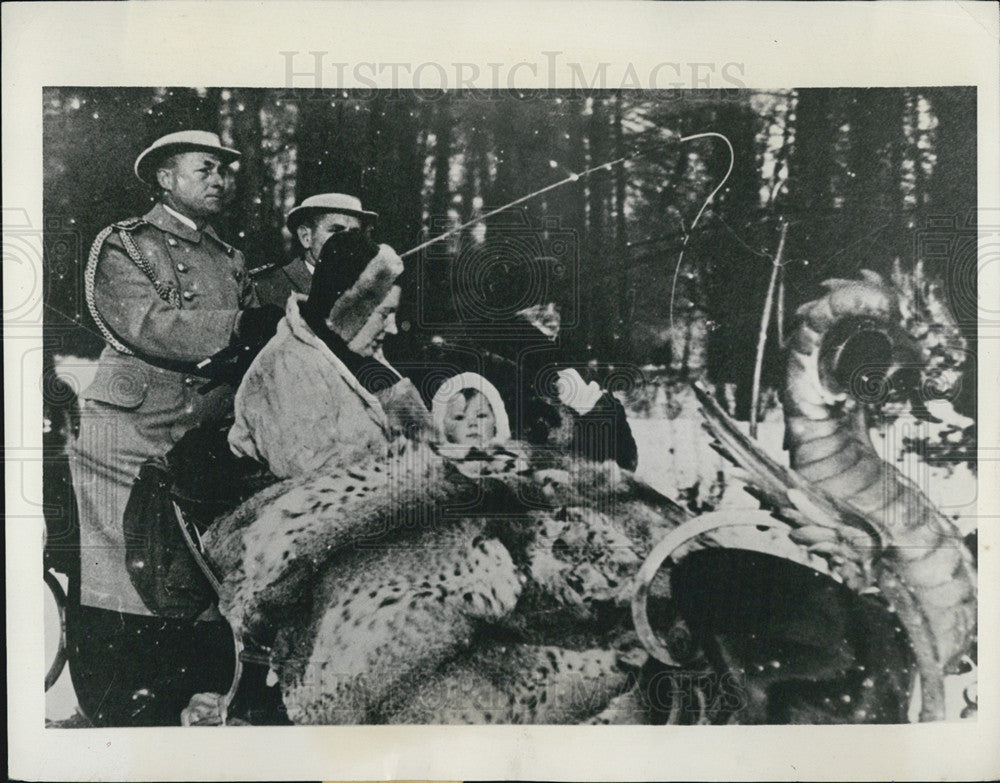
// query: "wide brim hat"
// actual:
[[181, 141], [328, 202]]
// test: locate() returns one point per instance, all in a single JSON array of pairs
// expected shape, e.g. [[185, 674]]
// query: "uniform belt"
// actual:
[[172, 365]]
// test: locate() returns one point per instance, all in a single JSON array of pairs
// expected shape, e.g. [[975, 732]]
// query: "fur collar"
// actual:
[[300, 331]]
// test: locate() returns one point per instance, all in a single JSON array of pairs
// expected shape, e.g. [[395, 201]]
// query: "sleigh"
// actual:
[[524, 584]]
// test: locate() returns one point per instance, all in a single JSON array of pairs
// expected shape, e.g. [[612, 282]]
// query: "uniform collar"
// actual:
[[183, 218], [166, 220]]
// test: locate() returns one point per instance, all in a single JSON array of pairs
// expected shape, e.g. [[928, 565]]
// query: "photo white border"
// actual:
[[239, 44]]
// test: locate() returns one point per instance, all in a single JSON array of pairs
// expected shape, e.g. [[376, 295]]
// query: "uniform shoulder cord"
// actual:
[[166, 292]]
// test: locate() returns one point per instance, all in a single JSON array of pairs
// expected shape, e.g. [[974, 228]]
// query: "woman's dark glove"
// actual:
[[603, 433], [256, 325]]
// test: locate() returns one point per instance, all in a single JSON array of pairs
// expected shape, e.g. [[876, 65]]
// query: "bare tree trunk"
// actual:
[[871, 234], [441, 195], [598, 309], [812, 163], [953, 196], [253, 205], [575, 220], [311, 137], [953, 190], [623, 308], [372, 182]]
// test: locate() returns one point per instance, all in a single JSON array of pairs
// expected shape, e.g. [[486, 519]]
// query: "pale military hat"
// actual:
[[327, 202], [181, 141]]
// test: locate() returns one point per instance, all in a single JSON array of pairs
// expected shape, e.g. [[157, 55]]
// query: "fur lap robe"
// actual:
[[474, 587]]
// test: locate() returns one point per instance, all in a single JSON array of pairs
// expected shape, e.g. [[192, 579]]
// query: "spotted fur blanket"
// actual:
[[441, 588]]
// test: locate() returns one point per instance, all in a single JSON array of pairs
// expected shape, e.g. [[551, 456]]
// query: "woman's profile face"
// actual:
[[368, 342], [469, 420]]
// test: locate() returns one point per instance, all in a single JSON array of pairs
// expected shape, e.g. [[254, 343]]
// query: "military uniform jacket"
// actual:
[[275, 284], [136, 409]]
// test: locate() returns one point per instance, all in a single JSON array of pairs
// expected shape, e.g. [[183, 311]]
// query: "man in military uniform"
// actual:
[[166, 292], [312, 222]]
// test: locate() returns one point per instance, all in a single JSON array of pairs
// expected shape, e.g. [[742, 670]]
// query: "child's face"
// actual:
[[469, 421]]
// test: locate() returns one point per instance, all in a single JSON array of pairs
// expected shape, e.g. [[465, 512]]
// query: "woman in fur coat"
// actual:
[[320, 395]]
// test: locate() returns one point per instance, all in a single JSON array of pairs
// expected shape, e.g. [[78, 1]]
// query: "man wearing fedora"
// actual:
[[166, 293], [312, 222]]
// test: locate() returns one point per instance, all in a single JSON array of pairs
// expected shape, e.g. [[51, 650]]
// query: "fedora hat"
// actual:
[[181, 141], [327, 202]]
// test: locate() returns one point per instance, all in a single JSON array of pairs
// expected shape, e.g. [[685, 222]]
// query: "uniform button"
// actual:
[[239, 274], [189, 295], [182, 267], [172, 242]]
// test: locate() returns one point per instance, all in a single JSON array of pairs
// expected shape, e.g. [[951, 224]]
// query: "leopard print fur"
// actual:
[[385, 617], [524, 684], [370, 583]]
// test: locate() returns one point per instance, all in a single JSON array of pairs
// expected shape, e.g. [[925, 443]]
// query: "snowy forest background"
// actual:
[[865, 178]]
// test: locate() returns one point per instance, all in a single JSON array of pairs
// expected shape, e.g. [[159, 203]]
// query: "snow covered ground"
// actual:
[[675, 454]]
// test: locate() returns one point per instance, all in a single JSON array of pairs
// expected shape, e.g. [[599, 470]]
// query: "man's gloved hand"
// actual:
[[256, 325]]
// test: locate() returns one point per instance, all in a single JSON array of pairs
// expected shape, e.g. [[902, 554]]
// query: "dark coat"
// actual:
[[134, 410], [276, 283]]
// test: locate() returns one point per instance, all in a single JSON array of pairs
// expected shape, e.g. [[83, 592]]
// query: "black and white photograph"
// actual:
[[628, 396], [527, 489]]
